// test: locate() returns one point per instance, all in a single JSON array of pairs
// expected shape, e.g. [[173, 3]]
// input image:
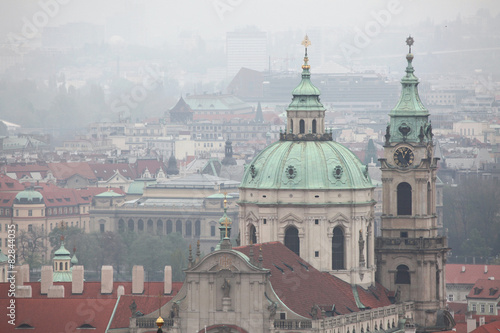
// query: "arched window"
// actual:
[[159, 227], [338, 249], [253, 235], [302, 126], [60, 266], [291, 126], [189, 229], [131, 225], [429, 199], [169, 227], [197, 228], [314, 126], [140, 225], [403, 275], [66, 266], [404, 199], [178, 227], [150, 226], [292, 240], [121, 225]]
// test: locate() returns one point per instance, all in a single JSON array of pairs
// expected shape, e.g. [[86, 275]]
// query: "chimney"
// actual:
[[77, 280], [120, 291], [46, 280], [167, 281], [463, 269], [25, 273], [137, 279], [471, 322], [56, 292], [23, 292], [106, 279], [485, 269]]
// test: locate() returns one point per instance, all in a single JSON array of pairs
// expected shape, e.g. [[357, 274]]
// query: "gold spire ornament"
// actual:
[[306, 42]]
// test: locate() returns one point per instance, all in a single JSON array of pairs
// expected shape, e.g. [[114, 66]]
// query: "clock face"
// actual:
[[403, 157]]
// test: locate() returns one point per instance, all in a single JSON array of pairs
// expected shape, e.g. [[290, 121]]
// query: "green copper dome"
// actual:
[[306, 157], [62, 253], [29, 196], [306, 165]]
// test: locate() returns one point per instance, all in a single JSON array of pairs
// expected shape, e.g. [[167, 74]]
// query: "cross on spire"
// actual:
[[63, 227], [409, 42]]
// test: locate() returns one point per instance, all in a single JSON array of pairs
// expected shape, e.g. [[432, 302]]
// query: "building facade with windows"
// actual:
[[189, 206]]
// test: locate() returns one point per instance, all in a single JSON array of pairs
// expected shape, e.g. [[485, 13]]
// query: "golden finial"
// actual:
[[225, 200], [306, 42], [160, 322], [226, 224]]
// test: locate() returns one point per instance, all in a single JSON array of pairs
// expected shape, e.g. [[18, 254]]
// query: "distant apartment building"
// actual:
[[246, 49], [470, 129]]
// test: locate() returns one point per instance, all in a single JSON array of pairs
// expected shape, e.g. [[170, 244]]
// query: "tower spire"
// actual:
[[306, 113], [409, 117]]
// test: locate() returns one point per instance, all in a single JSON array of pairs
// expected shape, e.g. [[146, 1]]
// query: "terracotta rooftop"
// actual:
[[469, 274], [300, 286], [485, 288], [88, 310]]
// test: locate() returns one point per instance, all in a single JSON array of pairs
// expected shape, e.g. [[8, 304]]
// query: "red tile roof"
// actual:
[[65, 170], [300, 286], [152, 165], [145, 303], [493, 327], [104, 171], [472, 273], [72, 311], [8, 184], [7, 199], [485, 288]]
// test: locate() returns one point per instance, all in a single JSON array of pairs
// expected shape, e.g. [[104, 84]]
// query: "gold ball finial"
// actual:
[[160, 322]]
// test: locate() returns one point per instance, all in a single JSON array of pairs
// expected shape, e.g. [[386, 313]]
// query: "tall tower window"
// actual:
[[292, 240], [302, 125], [140, 225], [291, 125], [197, 228], [404, 199], [121, 225], [169, 227], [253, 235], [314, 126], [338, 249], [131, 225], [189, 228], [178, 227], [403, 275], [159, 227]]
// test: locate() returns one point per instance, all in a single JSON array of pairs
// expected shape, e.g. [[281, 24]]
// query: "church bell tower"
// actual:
[[410, 254]]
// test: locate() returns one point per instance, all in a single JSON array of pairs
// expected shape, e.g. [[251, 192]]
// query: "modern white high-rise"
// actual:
[[246, 48]]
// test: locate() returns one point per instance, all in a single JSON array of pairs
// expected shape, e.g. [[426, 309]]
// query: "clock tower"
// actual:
[[410, 254]]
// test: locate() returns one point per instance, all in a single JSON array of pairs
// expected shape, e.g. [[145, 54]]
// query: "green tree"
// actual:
[[31, 245]]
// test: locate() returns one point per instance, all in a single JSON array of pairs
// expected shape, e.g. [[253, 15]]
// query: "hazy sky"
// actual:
[[163, 19]]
